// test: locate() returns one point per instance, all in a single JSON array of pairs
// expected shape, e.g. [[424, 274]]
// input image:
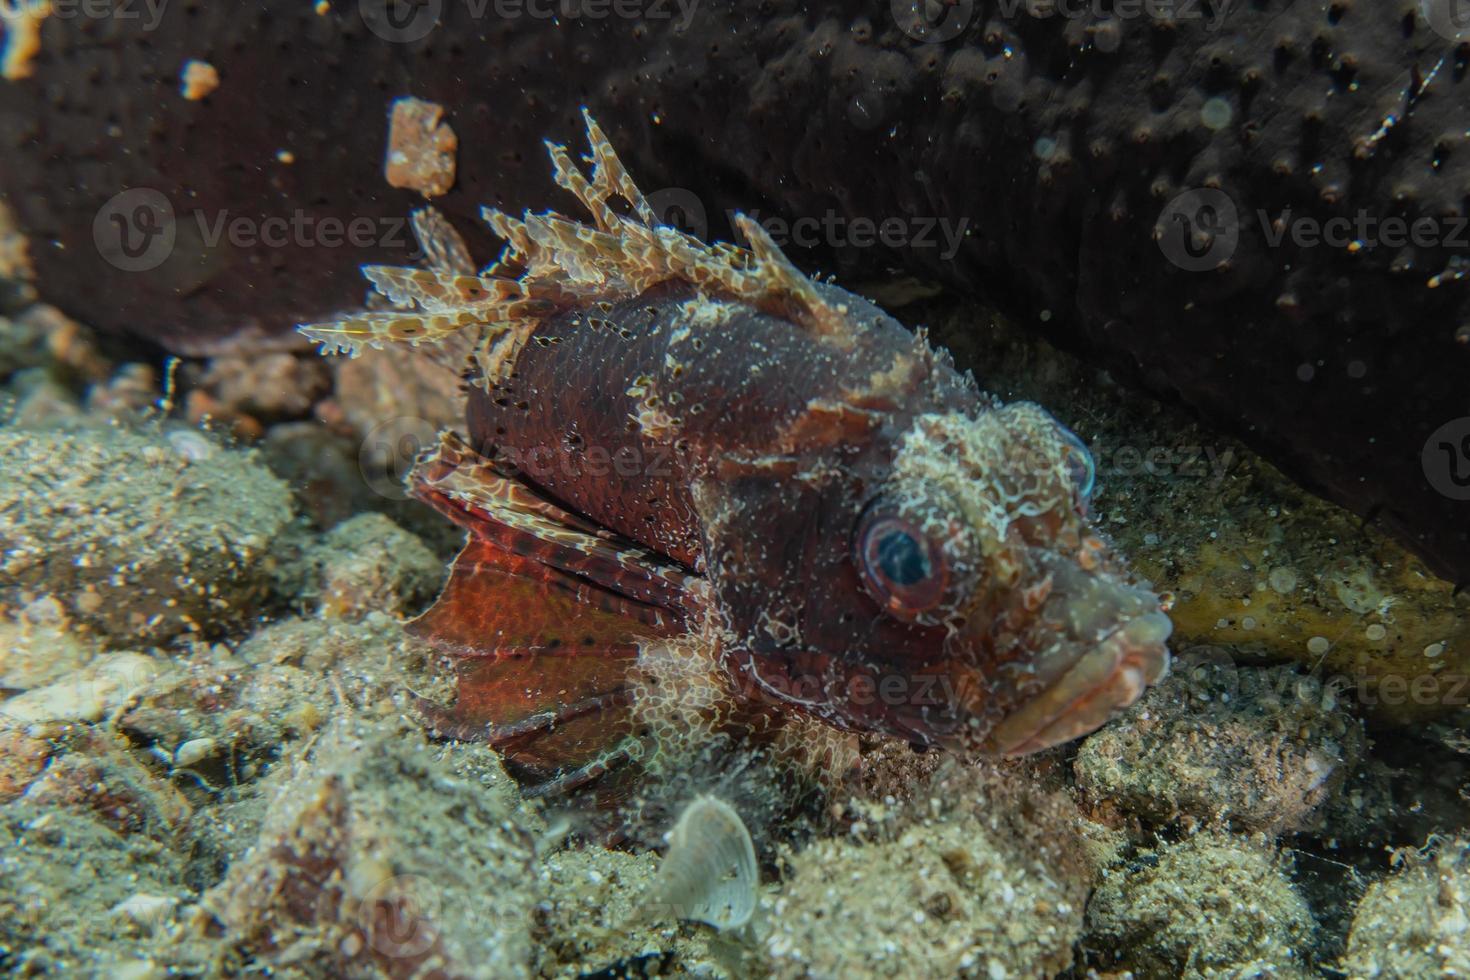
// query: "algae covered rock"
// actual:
[[594, 917], [975, 881], [232, 713], [100, 776], [1219, 743], [1416, 923], [39, 646], [67, 882], [138, 536], [370, 564], [90, 694], [1208, 906], [381, 855]]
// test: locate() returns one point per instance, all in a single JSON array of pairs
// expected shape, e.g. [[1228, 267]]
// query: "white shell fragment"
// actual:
[[709, 873]]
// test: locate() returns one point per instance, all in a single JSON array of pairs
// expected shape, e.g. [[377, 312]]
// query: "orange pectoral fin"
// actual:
[[496, 601], [544, 674], [546, 612]]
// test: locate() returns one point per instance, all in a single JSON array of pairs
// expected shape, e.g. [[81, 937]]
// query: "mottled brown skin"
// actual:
[[754, 375], [759, 491]]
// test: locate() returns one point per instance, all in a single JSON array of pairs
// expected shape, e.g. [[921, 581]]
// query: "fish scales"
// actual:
[[630, 406]]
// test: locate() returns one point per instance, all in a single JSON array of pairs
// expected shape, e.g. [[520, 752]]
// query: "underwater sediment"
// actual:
[[258, 792]]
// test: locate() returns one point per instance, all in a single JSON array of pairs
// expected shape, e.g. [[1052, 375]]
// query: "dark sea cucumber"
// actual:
[[1064, 144]]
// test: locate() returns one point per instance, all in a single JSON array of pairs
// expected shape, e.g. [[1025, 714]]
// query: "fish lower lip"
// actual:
[[1108, 679]]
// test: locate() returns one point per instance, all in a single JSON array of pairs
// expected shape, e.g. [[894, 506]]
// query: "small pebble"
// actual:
[[1216, 113], [1282, 580]]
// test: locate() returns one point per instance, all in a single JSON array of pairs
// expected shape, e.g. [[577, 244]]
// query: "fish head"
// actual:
[[979, 538]]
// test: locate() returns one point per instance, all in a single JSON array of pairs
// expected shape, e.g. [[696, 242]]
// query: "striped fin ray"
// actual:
[[353, 333], [517, 518], [552, 263], [444, 248]]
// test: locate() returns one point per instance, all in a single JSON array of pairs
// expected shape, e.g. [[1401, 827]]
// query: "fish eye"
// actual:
[[902, 568], [1079, 463]]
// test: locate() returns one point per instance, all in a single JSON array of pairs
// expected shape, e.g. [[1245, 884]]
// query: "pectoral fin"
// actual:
[[546, 614]]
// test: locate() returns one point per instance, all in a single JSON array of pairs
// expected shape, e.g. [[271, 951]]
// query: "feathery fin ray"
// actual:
[[552, 264]]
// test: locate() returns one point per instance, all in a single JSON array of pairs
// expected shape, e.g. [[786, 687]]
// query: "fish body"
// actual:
[[671, 446]]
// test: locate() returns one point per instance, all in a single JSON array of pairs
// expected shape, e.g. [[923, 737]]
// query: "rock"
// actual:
[[39, 646], [322, 469], [16, 289], [1208, 906], [279, 686], [1416, 922], [421, 148], [336, 476], [383, 855], [137, 539], [963, 885], [593, 918], [22, 344], [63, 872], [22, 757], [129, 395], [369, 564], [42, 336], [1220, 744], [99, 775], [42, 402], [265, 386], [91, 694], [384, 397]]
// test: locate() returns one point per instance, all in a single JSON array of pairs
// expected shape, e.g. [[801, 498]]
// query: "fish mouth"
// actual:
[[1099, 685]]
